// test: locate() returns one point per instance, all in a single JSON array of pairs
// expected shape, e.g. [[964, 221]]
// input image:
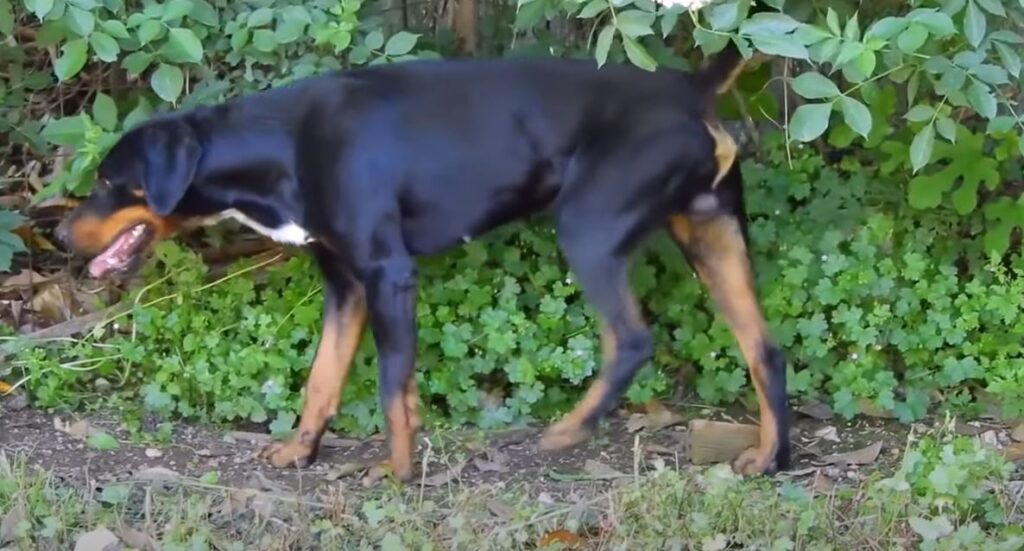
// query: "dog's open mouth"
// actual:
[[123, 252]]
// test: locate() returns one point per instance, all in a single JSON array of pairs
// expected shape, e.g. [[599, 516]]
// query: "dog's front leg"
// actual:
[[344, 320]]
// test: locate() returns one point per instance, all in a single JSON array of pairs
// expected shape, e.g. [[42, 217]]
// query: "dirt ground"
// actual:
[[53, 441]]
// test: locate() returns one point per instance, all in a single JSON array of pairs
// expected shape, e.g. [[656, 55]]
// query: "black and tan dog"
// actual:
[[373, 167]]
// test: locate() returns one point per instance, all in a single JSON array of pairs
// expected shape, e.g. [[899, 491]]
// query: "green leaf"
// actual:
[[981, 99], [204, 13], [638, 55], [71, 60], [931, 530], [604, 44], [167, 81], [264, 40], [136, 62], [922, 146], [991, 74], [592, 9], [392, 542], [832, 20], [856, 115], [912, 39], [946, 128], [920, 113], [1000, 124], [849, 52], [400, 43], [183, 46], [68, 131], [375, 40], [1009, 57], [724, 17], [885, 28], [106, 48], [102, 441], [260, 17], [769, 24], [810, 121], [115, 28], [995, 7], [288, 31], [176, 9], [80, 22], [809, 34], [635, 23], [937, 23], [785, 47], [974, 24], [814, 85], [6, 18], [39, 8], [296, 14], [852, 29], [136, 116], [148, 31], [104, 111]]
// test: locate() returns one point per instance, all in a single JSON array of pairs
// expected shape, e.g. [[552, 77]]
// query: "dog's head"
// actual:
[[137, 198]]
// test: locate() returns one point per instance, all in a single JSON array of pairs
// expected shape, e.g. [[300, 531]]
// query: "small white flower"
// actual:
[[824, 257], [714, 354], [269, 387], [777, 212], [854, 356], [688, 4]]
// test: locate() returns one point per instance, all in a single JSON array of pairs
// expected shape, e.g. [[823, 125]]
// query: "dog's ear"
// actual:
[[172, 151]]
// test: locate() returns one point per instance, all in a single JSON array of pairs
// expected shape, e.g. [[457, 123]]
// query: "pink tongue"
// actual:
[[117, 255]]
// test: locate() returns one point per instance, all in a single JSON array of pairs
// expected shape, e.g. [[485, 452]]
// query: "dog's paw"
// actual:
[[384, 470], [288, 454], [755, 461], [563, 435]]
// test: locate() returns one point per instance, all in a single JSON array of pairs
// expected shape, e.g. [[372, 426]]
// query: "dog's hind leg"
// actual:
[[343, 324], [716, 247], [626, 342]]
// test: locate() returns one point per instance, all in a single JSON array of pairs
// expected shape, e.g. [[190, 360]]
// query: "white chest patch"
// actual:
[[290, 233]]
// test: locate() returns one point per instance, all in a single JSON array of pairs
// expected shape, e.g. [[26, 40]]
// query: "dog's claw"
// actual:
[[755, 461], [563, 435], [288, 454]]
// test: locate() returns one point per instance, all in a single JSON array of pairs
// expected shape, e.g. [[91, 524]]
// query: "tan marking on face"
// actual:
[[725, 151], [91, 234]]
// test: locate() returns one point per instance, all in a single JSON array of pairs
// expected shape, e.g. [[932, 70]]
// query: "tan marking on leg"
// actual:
[[571, 430], [401, 436], [339, 343], [725, 151], [412, 404], [721, 261]]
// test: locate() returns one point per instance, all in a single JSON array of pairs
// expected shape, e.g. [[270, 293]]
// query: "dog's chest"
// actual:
[[289, 233]]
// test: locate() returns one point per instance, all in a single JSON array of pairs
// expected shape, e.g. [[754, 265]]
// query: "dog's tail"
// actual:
[[719, 72]]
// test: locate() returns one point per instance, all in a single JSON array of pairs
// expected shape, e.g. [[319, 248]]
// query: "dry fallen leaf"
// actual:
[[863, 456], [79, 429], [816, 410], [1018, 433], [156, 473], [10, 522], [567, 539], [1014, 452], [52, 302], [5, 388], [821, 484], [827, 433], [23, 280], [495, 462], [99, 539], [444, 476], [236, 501], [138, 540], [659, 449], [344, 470], [501, 510], [636, 423], [600, 471]]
